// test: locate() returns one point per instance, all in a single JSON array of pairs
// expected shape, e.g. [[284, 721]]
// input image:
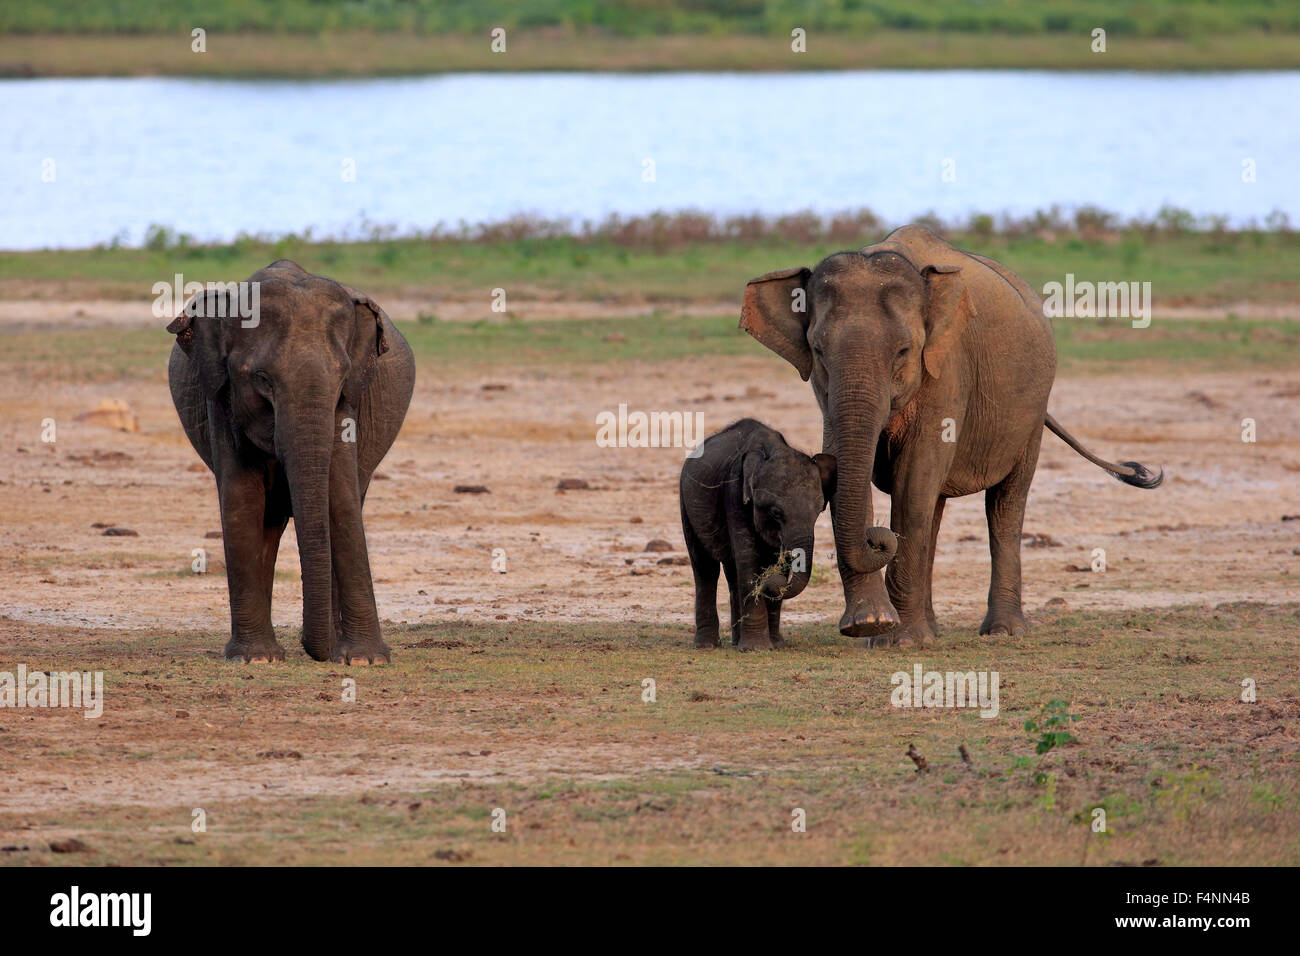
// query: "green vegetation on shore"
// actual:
[[363, 53], [316, 38], [686, 258], [1154, 18]]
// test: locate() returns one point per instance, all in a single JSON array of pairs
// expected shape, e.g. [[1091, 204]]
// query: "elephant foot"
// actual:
[[759, 642], [919, 634], [261, 652], [355, 655], [707, 637], [867, 608], [868, 620], [1004, 621], [777, 641]]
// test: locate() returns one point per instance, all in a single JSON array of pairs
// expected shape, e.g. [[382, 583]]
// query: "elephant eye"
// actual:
[[902, 353], [262, 379], [776, 513]]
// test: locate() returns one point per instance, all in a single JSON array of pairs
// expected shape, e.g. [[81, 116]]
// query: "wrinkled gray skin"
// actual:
[[746, 498], [265, 408], [932, 367]]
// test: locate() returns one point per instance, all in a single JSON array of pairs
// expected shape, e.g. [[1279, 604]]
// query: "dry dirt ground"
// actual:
[[1216, 533]]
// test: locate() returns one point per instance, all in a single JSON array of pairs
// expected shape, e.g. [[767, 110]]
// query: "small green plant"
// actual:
[[1051, 724]]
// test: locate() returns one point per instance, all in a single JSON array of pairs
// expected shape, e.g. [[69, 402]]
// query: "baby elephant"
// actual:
[[749, 503]]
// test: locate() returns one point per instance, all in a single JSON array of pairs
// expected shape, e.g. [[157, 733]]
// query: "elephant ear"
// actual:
[[826, 468], [369, 314], [776, 313], [201, 333], [755, 450], [948, 308], [369, 344]]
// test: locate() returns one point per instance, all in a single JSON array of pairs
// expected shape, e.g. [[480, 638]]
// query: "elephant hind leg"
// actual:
[[735, 601], [705, 569], [1004, 509], [929, 570]]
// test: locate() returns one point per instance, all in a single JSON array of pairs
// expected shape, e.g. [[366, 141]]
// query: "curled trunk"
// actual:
[[857, 415], [793, 583]]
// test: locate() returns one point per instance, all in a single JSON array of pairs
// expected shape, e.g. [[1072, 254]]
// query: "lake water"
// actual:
[[218, 157]]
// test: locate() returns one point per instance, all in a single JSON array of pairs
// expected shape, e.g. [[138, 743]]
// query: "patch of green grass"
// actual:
[[1183, 268]]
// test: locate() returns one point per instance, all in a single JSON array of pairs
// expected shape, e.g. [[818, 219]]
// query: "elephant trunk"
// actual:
[[857, 417], [801, 556], [309, 435]]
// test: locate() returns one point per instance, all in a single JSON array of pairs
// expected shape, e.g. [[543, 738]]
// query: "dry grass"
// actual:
[[548, 723]]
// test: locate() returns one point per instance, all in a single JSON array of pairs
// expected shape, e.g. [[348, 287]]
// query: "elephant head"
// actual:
[[785, 491], [867, 328], [286, 380]]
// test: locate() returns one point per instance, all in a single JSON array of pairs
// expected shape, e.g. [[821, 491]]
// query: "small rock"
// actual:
[[1056, 602], [120, 533], [658, 544], [471, 490], [70, 845], [674, 560], [572, 484], [494, 387], [636, 519], [111, 413]]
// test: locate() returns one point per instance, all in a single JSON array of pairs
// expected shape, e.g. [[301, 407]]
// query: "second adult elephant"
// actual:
[[932, 367], [292, 407]]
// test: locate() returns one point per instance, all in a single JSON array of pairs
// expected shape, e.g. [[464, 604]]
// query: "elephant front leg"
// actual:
[[359, 640], [913, 514], [774, 623], [907, 580], [748, 608], [251, 538], [754, 635]]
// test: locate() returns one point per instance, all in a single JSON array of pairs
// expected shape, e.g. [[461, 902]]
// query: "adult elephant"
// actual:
[[932, 367], [292, 407]]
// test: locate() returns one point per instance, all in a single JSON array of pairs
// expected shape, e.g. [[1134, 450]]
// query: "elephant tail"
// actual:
[[1129, 472]]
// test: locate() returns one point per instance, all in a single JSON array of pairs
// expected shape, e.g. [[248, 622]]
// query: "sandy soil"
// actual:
[[1213, 533]]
